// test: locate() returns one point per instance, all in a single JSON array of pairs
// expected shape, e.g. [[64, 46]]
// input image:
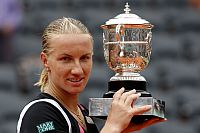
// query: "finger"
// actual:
[[141, 110], [126, 95], [118, 94], [131, 98]]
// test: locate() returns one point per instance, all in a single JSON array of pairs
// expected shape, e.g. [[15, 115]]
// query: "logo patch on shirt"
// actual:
[[89, 120], [46, 126]]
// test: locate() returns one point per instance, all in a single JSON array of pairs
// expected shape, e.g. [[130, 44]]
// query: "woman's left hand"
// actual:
[[136, 127]]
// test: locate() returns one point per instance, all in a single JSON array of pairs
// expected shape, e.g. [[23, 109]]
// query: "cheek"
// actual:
[[59, 76], [57, 71]]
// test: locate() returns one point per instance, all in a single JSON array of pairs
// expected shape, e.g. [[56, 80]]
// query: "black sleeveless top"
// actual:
[[43, 117]]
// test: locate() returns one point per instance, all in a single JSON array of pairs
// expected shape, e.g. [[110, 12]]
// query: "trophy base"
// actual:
[[99, 107]]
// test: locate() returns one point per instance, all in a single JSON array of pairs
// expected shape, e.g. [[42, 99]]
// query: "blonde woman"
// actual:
[[67, 51]]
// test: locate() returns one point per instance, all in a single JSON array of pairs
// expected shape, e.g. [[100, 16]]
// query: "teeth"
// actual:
[[74, 80]]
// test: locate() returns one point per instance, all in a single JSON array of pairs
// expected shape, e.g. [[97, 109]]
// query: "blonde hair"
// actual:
[[56, 27]]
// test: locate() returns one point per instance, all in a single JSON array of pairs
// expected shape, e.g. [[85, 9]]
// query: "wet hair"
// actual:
[[57, 27]]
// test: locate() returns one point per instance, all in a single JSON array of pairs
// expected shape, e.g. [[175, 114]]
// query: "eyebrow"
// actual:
[[72, 56], [87, 54], [66, 55]]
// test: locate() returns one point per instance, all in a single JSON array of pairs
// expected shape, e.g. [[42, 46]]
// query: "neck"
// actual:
[[69, 101]]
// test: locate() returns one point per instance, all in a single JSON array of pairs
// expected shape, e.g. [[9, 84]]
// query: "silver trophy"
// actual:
[[127, 50]]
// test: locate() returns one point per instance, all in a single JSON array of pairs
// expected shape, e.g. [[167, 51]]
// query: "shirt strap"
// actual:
[[81, 129], [53, 102]]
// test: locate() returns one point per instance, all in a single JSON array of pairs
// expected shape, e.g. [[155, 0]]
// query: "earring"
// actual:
[[47, 68]]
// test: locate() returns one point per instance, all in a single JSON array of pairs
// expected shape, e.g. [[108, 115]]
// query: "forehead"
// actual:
[[69, 38], [71, 42]]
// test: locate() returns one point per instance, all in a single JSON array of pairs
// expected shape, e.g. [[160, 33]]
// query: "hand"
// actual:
[[136, 127], [122, 110]]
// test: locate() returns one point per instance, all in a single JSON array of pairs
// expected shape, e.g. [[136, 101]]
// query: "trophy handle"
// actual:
[[119, 31], [148, 39]]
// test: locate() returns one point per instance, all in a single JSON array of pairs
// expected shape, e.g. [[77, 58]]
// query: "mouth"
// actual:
[[76, 82], [75, 79]]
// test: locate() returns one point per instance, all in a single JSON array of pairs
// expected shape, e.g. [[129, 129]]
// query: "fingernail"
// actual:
[[123, 88], [149, 106], [139, 94], [134, 90]]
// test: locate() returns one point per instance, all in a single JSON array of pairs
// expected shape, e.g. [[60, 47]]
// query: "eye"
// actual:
[[85, 57], [66, 59]]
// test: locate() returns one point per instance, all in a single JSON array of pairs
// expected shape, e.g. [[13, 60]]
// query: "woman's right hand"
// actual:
[[122, 110]]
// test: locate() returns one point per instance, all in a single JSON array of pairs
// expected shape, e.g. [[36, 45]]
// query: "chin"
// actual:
[[76, 90]]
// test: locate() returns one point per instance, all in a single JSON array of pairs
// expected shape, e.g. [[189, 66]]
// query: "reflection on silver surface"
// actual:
[[101, 106], [127, 45], [128, 51], [127, 56]]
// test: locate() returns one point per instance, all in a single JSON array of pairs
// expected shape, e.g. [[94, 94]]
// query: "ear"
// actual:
[[43, 58]]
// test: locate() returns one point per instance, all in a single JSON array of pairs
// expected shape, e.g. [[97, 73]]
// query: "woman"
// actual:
[[67, 51]]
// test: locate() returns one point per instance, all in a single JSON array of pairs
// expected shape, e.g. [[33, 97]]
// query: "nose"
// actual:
[[77, 68]]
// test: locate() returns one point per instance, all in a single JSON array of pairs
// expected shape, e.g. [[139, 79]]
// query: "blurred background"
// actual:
[[173, 73]]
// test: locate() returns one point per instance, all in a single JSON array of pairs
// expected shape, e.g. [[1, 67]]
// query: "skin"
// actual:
[[69, 65], [121, 112]]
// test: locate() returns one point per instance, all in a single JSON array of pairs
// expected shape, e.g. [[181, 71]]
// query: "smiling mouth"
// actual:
[[75, 80]]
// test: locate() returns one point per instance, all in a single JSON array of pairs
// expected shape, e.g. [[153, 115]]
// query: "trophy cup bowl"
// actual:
[[127, 49]]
